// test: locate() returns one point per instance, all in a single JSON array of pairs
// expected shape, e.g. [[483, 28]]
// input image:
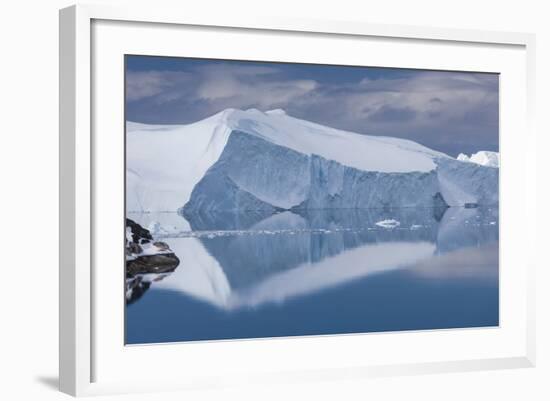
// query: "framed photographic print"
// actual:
[[345, 200]]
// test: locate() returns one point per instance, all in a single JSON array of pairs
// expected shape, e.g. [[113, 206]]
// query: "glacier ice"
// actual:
[[268, 162], [255, 174], [483, 158]]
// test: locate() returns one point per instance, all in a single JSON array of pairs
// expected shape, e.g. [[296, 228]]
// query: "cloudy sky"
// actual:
[[451, 112]]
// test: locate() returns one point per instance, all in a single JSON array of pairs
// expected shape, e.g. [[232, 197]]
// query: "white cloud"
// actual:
[[221, 86], [430, 95], [143, 84]]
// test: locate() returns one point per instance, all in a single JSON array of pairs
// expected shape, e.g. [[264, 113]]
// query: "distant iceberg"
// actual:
[[483, 158], [270, 162]]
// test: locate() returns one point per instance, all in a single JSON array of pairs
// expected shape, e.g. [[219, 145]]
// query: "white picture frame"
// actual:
[[81, 158]]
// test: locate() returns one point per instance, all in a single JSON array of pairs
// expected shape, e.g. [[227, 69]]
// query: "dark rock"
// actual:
[[138, 285], [139, 234], [163, 246], [134, 248], [135, 288], [162, 261]]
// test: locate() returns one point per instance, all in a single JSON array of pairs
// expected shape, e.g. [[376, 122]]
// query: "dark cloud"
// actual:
[[394, 114], [449, 111]]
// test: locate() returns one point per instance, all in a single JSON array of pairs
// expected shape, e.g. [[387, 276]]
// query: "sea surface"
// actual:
[[253, 275]]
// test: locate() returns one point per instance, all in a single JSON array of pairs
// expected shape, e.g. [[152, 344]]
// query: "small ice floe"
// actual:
[[493, 223], [416, 226], [390, 223], [155, 228]]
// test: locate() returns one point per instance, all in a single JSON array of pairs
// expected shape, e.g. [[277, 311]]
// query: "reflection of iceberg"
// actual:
[[467, 227], [332, 271], [465, 263], [286, 255], [286, 240], [205, 279], [202, 277]]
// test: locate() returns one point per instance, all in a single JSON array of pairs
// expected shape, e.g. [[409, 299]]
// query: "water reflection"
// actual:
[[236, 261], [138, 284]]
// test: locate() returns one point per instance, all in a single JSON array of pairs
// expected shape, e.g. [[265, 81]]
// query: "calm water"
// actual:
[[321, 272]]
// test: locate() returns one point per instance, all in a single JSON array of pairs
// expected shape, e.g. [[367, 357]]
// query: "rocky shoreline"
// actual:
[[146, 260], [144, 255]]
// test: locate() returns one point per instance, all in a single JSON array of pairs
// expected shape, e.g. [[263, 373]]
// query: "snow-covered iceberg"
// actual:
[[253, 161], [483, 158]]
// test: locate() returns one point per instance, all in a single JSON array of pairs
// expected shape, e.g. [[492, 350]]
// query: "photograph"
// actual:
[[279, 199]]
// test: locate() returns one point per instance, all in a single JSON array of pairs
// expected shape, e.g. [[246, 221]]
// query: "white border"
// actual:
[[77, 167]]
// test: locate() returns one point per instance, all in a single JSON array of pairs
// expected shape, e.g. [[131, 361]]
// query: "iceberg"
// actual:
[[483, 158], [271, 162]]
